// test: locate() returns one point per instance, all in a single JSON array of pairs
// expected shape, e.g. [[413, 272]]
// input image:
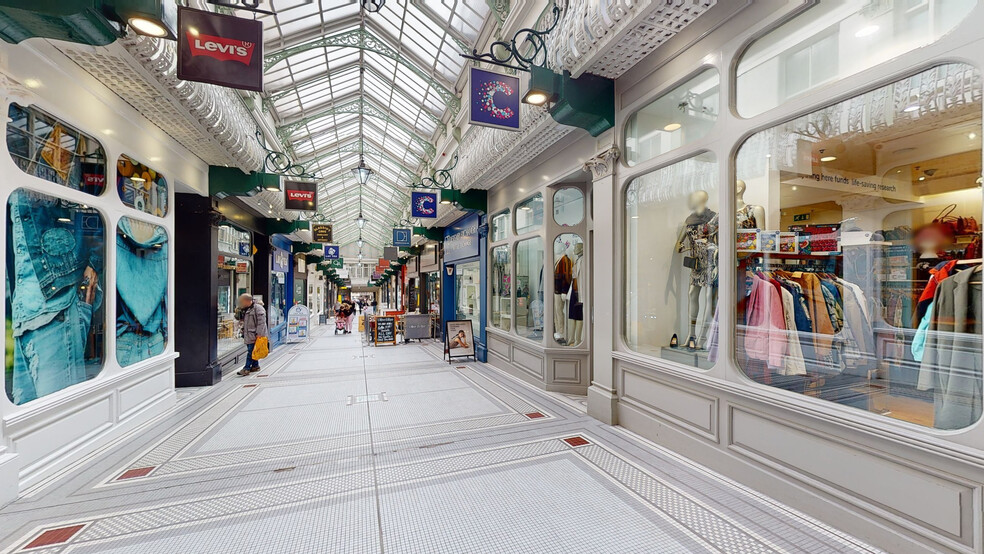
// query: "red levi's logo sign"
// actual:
[[300, 196], [220, 49]]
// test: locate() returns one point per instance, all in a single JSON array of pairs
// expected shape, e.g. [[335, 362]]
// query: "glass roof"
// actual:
[[328, 108]]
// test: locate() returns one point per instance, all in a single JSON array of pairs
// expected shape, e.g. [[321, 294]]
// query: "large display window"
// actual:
[[529, 288], [500, 294], [570, 294], [671, 240], [499, 226], [468, 279], [141, 290], [47, 148], [55, 296], [859, 251], [835, 39], [679, 117], [235, 270], [568, 206]]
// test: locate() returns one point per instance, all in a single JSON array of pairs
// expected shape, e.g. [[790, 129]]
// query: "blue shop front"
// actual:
[[281, 288], [464, 276]]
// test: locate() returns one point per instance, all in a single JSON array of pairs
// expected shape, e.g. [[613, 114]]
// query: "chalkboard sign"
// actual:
[[417, 327], [385, 330]]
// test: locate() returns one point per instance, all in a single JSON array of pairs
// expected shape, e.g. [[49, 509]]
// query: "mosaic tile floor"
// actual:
[[337, 447]]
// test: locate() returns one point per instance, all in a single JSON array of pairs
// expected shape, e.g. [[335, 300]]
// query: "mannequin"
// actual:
[[699, 237], [562, 284], [575, 305], [748, 216]]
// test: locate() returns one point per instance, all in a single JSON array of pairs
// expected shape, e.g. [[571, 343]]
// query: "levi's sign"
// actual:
[[300, 196], [220, 49]]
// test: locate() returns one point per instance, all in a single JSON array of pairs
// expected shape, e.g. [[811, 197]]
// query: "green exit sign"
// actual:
[[801, 217]]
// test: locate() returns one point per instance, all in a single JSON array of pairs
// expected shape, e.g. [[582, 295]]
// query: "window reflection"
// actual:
[[859, 251], [501, 287], [529, 288]]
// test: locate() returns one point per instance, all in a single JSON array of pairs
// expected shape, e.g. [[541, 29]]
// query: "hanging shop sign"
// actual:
[[321, 233], [402, 237], [337, 263], [459, 339], [220, 49], [298, 320], [332, 252], [495, 100], [461, 239], [300, 196], [383, 263], [391, 253], [242, 267], [281, 260], [423, 205]]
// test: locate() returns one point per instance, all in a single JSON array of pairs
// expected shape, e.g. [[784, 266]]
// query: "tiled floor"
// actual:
[[336, 447]]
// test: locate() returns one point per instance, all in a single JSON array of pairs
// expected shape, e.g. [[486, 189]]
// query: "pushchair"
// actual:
[[340, 321]]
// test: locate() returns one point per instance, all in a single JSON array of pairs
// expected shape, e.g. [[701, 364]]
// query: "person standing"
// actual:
[[254, 321]]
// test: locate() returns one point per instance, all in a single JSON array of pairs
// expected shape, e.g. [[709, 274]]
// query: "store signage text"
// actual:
[[321, 233], [300, 196], [220, 49], [281, 261], [461, 239], [423, 204]]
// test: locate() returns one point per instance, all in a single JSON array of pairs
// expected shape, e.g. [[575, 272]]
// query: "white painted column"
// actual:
[[602, 396]]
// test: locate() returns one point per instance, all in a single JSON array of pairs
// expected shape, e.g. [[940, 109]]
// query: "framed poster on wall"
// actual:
[[459, 339]]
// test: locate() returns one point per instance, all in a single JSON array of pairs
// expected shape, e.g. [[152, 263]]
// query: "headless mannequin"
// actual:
[[749, 216], [562, 276], [575, 327], [699, 237]]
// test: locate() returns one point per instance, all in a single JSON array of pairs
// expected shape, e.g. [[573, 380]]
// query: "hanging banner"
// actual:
[[300, 196], [332, 252], [281, 261], [494, 100], [402, 237], [220, 49], [423, 204], [321, 233]]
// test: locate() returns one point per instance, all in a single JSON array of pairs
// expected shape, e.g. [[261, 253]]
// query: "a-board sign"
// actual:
[[385, 330], [298, 322], [417, 327], [459, 339]]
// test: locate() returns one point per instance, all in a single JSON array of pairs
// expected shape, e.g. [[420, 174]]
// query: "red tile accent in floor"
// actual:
[[535, 415], [135, 473], [262, 375], [54, 536], [461, 367], [248, 386], [577, 441]]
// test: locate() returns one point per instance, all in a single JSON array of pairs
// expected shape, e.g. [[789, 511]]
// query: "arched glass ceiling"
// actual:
[[411, 54]]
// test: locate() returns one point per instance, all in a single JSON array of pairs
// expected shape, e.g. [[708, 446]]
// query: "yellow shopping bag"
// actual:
[[261, 349]]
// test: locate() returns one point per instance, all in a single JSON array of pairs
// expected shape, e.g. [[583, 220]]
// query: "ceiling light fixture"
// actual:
[[672, 127], [373, 6], [147, 27], [828, 158], [911, 108], [867, 31]]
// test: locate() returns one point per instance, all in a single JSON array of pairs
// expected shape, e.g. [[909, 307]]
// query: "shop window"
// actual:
[[671, 228], [529, 214], [500, 266], [568, 207], [681, 116], [468, 278], [141, 187], [56, 328], [141, 290], [859, 251], [500, 226], [45, 147], [529, 288], [835, 39], [235, 241], [570, 294], [235, 279]]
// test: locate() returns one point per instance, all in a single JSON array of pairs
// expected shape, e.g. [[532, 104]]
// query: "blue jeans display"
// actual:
[[141, 291], [54, 253]]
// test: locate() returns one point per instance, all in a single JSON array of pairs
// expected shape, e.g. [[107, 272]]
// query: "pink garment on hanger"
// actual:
[[765, 330]]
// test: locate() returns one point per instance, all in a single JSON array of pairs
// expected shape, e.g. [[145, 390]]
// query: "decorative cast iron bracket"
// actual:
[[506, 54], [442, 178], [281, 163]]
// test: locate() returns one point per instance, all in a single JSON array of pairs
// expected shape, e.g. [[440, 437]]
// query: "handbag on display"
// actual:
[[948, 223], [261, 349], [689, 262]]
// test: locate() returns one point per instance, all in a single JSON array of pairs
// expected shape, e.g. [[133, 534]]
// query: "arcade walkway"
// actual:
[[336, 447]]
